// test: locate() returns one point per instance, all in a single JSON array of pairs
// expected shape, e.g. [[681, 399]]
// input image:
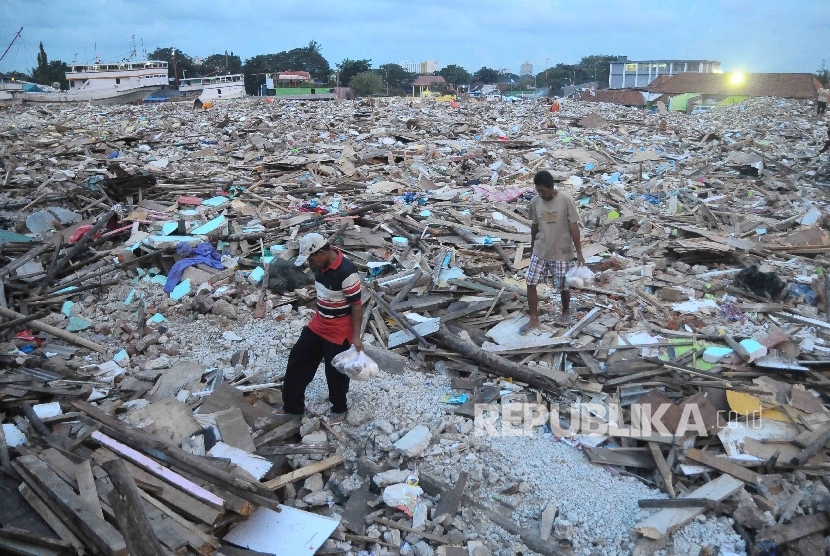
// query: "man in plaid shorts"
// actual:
[[554, 239]]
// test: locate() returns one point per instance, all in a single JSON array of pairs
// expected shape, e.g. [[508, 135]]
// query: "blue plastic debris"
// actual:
[[180, 290], [76, 324], [802, 291], [113, 154], [613, 178], [651, 199], [209, 226], [590, 166], [157, 318], [129, 298], [66, 309]]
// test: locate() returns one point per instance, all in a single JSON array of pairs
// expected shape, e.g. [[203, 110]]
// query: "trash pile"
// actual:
[[149, 295]]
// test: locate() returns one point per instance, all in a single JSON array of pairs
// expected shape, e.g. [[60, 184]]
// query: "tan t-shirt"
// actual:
[[553, 241], [822, 95]]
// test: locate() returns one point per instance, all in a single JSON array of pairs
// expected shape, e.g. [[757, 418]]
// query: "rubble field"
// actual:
[[149, 301]]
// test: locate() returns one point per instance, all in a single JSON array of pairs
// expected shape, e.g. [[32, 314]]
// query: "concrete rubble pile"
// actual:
[[149, 301]]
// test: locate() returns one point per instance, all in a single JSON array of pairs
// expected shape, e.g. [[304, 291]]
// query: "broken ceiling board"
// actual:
[[184, 375], [428, 326], [735, 435], [668, 520], [160, 471], [289, 531], [169, 419], [254, 465]]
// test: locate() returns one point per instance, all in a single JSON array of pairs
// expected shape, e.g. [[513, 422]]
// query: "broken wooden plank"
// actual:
[[282, 432], [354, 514], [404, 528], [799, 527], [666, 521], [105, 537], [448, 504], [663, 467], [86, 488], [723, 465], [57, 332], [49, 516], [129, 511], [304, 472]]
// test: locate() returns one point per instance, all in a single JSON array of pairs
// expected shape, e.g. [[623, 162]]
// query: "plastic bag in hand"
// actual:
[[358, 366], [579, 277]]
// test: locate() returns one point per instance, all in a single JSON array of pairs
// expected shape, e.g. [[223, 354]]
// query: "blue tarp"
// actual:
[[203, 253]]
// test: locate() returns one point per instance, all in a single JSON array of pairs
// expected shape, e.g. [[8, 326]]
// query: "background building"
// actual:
[[527, 69], [627, 74], [421, 68]]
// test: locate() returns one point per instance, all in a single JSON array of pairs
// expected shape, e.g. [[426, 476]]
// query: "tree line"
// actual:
[[390, 78]]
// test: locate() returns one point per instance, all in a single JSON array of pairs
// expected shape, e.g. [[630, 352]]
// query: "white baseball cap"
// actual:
[[311, 243]]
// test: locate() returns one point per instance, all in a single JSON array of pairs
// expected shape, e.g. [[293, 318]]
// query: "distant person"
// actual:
[[555, 106], [821, 105], [554, 239], [826, 143], [197, 104]]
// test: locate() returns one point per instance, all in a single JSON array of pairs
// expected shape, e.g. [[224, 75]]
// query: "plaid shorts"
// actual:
[[541, 269]]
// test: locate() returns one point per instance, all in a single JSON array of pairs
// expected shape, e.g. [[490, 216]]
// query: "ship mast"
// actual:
[[10, 44]]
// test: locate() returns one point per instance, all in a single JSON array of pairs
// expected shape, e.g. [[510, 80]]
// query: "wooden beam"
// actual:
[[404, 528], [51, 519], [159, 470], [663, 467], [723, 465], [798, 528], [665, 522], [304, 472], [102, 534], [129, 511], [86, 488]]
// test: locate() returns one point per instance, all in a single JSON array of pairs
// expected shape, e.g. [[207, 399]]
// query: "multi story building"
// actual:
[[627, 73], [527, 69], [421, 68]]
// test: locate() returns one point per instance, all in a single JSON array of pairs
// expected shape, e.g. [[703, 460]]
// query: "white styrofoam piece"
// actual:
[[46, 410], [13, 435], [733, 434], [290, 531]]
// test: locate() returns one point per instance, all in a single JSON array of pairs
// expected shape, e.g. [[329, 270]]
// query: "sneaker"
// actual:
[[335, 418], [281, 411]]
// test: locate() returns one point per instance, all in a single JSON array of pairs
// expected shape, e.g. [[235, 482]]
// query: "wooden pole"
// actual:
[[49, 329], [500, 365]]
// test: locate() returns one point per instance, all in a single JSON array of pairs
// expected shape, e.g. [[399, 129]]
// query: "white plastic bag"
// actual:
[[358, 366], [579, 277]]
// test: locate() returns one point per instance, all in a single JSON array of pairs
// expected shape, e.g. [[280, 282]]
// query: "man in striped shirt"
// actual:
[[333, 328]]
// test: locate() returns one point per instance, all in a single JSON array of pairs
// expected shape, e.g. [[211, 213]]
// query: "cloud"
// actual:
[[764, 36]]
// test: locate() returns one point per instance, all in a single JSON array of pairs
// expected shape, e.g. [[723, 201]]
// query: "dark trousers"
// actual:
[[303, 361], [821, 107]]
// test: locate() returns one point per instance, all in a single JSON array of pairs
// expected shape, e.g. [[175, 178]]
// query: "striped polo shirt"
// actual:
[[338, 288]]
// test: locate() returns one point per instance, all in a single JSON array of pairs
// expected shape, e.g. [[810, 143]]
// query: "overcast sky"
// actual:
[[757, 35]]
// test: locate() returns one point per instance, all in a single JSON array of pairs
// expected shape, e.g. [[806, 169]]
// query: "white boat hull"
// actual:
[[222, 91], [95, 97]]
